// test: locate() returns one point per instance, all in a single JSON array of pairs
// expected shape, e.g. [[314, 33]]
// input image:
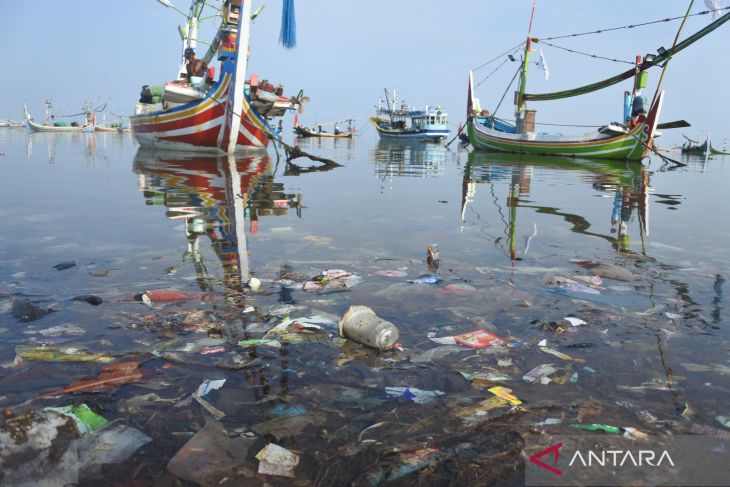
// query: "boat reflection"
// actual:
[[627, 182], [395, 158], [343, 147], [97, 147], [216, 197]]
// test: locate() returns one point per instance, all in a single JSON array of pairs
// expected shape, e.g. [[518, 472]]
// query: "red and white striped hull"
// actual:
[[202, 125]]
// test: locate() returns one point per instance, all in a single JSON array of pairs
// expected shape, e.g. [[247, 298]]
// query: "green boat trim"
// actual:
[[632, 145]]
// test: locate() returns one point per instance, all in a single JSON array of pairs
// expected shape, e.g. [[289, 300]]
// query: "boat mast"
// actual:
[[48, 111], [387, 103], [235, 107], [520, 105], [190, 32]]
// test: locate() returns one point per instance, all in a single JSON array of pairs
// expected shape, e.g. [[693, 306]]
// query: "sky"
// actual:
[[348, 51]]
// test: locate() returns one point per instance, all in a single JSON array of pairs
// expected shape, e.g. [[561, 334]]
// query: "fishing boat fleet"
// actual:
[[234, 110]]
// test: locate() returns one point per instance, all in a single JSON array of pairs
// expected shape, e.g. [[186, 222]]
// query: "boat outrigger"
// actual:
[[630, 140], [200, 114], [391, 121]]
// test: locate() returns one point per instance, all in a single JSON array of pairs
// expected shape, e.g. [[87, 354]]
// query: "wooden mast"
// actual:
[[520, 105], [235, 96]]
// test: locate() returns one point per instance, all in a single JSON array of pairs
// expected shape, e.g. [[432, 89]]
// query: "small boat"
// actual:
[[318, 129], [391, 121], [104, 128], [116, 127], [694, 147], [11, 124], [52, 126], [205, 115], [630, 140]]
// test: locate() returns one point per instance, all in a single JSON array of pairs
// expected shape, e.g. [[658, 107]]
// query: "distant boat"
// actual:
[[11, 124], [112, 127], [104, 128], [694, 147], [49, 126], [391, 121], [318, 131]]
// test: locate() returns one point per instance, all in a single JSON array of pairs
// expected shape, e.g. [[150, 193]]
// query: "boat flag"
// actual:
[[296, 120], [543, 65], [715, 6]]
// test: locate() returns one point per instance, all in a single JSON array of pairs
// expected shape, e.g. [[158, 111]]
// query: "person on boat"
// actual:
[[194, 66]]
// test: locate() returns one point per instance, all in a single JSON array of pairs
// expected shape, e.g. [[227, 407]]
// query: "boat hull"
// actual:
[[431, 134], [630, 146], [37, 127], [101, 128], [203, 125], [307, 132]]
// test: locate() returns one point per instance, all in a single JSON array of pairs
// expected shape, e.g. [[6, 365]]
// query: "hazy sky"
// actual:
[[349, 50]]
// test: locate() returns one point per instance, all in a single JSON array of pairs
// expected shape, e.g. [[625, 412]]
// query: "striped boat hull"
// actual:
[[203, 125]]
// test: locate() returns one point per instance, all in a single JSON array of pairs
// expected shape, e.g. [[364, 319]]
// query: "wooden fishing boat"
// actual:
[[609, 142], [11, 124], [391, 121], [232, 114], [630, 141], [318, 130], [48, 127], [694, 147], [106, 128]]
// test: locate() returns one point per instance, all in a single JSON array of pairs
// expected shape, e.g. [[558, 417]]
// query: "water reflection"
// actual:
[[342, 148], [395, 158], [215, 197], [627, 182], [95, 147]]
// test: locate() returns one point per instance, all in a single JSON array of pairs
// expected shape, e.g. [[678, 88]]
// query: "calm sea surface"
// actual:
[[639, 254]]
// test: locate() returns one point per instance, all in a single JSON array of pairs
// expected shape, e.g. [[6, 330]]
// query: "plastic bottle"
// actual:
[[361, 324]]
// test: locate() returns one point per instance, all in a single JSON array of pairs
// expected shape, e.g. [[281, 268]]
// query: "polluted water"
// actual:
[[408, 318]]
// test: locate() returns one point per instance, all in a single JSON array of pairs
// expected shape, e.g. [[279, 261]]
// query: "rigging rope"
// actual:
[[505, 91], [585, 53], [490, 74], [662, 57], [553, 124], [508, 51], [601, 31]]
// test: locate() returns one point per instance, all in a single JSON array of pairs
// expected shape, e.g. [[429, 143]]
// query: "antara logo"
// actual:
[[619, 458], [555, 450], [603, 458]]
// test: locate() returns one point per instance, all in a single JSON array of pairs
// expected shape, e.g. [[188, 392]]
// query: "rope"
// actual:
[[596, 56], [555, 124], [505, 91], [490, 74], [601, 31], [508, 51]]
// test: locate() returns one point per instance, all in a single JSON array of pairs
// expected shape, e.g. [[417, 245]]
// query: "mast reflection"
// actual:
[[215, 197], [628, 182]]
